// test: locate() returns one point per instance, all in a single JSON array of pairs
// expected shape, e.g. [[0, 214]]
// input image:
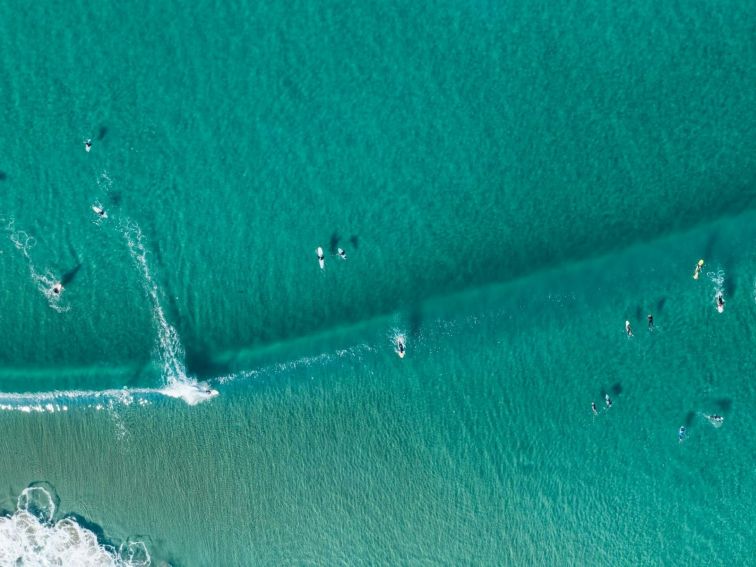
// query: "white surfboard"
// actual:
[[400, 347], [698, 269], [88, 145], [321, 257], [720, 308], [100, 212], [342, 253]]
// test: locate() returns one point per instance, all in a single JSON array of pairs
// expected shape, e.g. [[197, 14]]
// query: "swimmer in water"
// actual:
[[88, 144], [716, 420], [342, 253], [681, 433], [57, 288], [593, 407], [628, 329], [608, 401], [650, 322]]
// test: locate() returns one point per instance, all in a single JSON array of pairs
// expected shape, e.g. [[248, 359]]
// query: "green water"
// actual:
[[510, 181]]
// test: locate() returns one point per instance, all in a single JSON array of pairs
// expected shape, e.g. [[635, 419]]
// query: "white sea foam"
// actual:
[[718, 279], [30, 536], [170, 351]]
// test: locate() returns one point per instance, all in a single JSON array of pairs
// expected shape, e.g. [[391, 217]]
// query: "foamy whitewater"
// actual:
[[31, 536]]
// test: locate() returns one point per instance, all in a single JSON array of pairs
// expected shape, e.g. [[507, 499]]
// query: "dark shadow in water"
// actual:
[[115, 197], [729, 285], [92, 527], [415, 321], [711, 243], [102, 133], [200, 364], [638, 312], [334, 243], [3, 176], [69, 276], [689, 417], [616, 389], [660, 303], [724, 404], [354, 240]]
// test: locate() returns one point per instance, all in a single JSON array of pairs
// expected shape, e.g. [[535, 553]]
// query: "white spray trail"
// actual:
[[44, 281], [169, 347], [718, 279]]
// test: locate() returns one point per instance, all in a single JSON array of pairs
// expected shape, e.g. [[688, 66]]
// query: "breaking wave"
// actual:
[[31, 536]]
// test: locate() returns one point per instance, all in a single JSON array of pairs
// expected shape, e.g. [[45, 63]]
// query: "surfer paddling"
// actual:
[[628, 329], [697, 270], [400, 348], [720, 302], [342, 253], [650, 322], [321, 257], [593, 407], [88, 145], [681, 433], [99, 211], [608, 401], [57, 289]]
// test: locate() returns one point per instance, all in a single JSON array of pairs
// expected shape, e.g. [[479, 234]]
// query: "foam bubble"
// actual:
[[29, 536]]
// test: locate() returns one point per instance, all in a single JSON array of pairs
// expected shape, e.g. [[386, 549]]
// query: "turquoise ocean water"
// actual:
[[510, 181]]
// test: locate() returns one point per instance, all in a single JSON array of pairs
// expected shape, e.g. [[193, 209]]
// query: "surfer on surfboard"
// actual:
[[321, 257], [57, 289], [608, 401], [400, 348], [697, 271], [720, 302], [593, 407], [342, 253], [88, 144], [681, 433], [99, 211], [628, 329]]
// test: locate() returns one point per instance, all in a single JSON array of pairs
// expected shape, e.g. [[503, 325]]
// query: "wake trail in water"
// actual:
[[44, 281], [170, 351]]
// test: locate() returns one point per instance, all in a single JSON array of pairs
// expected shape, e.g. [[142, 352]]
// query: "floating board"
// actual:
[[321, 258]]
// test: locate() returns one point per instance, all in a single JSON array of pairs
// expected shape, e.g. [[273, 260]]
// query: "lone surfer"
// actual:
[[57, 288], [593, 407], [608, 401], [650, 322], [697, 271], [628, 329]]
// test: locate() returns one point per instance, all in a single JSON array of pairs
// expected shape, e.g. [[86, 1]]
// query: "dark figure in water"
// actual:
[[650, 322], [608, 401], [593, 407]]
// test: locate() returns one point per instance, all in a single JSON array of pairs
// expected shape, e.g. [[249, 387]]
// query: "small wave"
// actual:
[[102, 400], [30, 536]]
